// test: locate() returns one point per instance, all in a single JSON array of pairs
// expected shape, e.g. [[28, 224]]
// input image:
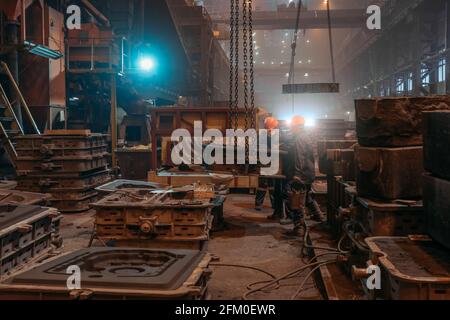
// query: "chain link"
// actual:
[[231, 101], [236, 64], [252, 62]]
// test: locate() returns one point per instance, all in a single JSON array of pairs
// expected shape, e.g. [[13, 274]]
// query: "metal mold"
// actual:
[[411, 270], [391, 218], [26, 233], [153, 215], [13, 197], [117, 273], [7, 185], [127, 184]]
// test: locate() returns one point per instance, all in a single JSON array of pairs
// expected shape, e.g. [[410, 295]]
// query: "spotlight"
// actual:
[[147, 64]]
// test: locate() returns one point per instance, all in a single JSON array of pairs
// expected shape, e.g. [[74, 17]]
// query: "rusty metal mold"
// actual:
[[14, 197], [117, 273], [127, 184], [147, 215], [324, 145], [7, 185], [26, 233], [391, 218], [67, 164], [411, 270]]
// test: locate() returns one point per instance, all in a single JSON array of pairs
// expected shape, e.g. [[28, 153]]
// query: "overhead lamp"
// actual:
[[42, 51]]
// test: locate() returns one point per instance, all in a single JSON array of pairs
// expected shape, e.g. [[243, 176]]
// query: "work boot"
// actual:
[[316, 213], [258, 208], [299, 229]]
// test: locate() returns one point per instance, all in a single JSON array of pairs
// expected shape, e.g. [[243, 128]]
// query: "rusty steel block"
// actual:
[[436, 148], [117, 273], [324, 145], [391, 218], [394, 122], [389, 173], [146, 214], [26, 234], [410, 270], [436, 200]]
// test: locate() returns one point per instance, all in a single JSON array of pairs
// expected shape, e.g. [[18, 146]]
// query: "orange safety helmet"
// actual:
[[271, 123], [297, 121]]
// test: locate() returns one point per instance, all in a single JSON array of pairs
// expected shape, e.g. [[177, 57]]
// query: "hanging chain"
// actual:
[[245, 63], [252, 62], [231, 101], [236, 64]]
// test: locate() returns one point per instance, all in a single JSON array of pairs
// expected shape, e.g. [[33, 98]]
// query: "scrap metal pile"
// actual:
[[381, 216], [67, 164]]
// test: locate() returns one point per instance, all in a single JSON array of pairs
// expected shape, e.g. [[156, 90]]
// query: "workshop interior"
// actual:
[[261, 150]]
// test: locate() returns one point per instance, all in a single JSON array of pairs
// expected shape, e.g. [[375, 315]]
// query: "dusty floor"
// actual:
[[249, 239]]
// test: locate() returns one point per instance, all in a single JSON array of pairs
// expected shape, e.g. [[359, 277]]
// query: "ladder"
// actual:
[[10, 125]]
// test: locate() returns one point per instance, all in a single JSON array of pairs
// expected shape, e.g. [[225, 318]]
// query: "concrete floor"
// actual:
[[248, 239]]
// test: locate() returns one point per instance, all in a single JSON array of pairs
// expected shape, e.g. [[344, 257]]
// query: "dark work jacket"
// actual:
[[300, 160]]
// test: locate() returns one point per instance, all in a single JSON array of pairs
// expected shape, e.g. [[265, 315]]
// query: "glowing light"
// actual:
[[147, 64], [310, 122]]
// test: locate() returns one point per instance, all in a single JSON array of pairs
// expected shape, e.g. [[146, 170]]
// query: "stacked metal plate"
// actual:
[[67, 164], [26, 234]]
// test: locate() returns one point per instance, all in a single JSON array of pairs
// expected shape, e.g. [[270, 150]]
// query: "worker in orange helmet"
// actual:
[[266, 183], [271, 123], [300, 174]]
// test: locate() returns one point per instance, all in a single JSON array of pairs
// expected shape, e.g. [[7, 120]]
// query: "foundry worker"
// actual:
[[266, 183], [301, 175]]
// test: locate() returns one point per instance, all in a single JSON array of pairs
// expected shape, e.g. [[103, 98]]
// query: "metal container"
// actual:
[[436, 200], [436, 142], [389, 173], [134, 164], [394, 122], [389, 218], [116, 273], [411, 270], [26, 234]]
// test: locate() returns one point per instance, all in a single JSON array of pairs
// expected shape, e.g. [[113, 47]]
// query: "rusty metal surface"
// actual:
[[7, 185], [145, 214], [394, 122], [134, 163], [324, 145], [120, 184], [67, 164], [389, 173], [14, 197], [436, 142], [120, 273], [26, 233], [411, 270], [390, 218], [436, 200]]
